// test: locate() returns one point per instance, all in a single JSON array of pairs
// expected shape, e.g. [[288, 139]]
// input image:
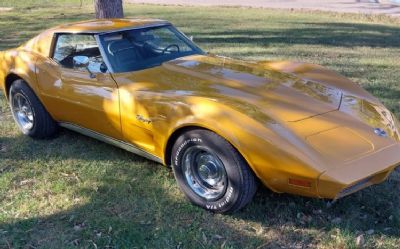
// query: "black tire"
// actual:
[[43, 125], [240, 184]]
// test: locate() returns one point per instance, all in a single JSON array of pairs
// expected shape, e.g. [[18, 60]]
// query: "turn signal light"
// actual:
[[300, 183]]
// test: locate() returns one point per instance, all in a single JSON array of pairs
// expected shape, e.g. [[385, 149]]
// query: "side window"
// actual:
[[70, 45]]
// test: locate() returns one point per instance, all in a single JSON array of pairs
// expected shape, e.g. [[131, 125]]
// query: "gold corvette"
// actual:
[[222, 124]]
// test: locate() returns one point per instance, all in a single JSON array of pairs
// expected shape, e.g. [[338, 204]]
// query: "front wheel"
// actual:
[[211, 172]]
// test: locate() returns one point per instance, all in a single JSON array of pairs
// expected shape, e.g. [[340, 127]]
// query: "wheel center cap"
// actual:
[[208, 170], [204, 171]]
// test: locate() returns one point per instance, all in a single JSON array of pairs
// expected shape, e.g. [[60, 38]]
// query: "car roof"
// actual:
[[108, 25]]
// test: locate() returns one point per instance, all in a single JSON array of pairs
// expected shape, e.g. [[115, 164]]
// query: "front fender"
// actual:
[[272, 158], [313, 72]]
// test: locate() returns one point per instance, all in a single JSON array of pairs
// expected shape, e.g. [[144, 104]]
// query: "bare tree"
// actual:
[[108, 8]]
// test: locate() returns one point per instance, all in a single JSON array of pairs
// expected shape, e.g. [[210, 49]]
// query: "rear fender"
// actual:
[[21, 64], [4, 69]]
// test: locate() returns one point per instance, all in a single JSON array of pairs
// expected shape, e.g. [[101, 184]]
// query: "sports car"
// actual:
[[223, 125]]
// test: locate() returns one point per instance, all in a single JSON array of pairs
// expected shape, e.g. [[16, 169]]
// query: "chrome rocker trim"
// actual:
[[110, 140]]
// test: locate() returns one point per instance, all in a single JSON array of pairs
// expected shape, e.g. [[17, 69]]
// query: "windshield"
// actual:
[[138, 49]]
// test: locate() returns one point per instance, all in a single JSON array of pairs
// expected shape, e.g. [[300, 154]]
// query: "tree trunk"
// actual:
[[108, 8]]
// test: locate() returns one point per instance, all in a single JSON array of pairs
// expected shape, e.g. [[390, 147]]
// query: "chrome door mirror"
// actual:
[[81, 61]]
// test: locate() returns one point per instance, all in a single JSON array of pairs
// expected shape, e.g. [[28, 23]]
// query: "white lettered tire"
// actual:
[[211, 172]]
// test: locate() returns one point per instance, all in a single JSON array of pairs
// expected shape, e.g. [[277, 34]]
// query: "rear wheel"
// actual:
[[211, 173], [29, 114]]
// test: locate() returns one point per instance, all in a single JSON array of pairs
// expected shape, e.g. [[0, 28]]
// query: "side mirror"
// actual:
[[81, 61]]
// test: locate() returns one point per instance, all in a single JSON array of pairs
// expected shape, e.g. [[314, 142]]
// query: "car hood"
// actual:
[[309, 110], [282, 96]]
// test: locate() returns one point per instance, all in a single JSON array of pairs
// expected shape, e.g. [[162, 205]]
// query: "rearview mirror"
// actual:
[[81, 61]]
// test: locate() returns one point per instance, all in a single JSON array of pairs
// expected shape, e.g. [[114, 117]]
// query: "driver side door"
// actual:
[[72, 94]]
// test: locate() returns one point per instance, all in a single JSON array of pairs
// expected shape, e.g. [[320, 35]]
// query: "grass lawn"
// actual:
[[75, 192]]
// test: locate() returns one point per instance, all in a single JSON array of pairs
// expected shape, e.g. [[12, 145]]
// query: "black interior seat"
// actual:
[[123, 53]]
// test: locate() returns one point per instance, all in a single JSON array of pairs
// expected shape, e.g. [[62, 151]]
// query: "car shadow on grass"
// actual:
[[312, 33], [85, 193]]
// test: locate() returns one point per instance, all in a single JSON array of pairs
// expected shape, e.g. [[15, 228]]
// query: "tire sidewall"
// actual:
[[19, 87], [221, 149]]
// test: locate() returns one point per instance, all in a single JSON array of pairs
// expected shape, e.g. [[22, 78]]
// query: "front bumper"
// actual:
[[358, 174]]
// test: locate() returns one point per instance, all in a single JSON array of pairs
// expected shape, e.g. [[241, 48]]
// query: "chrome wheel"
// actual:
[[205, 173], [22, 111]]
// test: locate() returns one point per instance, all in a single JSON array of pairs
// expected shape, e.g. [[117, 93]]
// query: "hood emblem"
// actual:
[[380, 132]]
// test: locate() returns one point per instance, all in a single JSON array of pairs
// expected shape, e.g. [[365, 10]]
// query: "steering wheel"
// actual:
[[170, 46]]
